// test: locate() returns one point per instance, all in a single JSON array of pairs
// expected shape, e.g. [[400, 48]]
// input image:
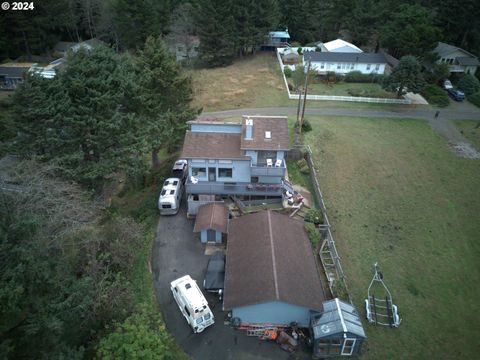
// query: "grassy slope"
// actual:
[[470, 131], [397, 195], [253, 82]]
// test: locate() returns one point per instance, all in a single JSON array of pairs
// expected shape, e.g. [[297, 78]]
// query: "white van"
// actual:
[[192, 303], [170, 196]]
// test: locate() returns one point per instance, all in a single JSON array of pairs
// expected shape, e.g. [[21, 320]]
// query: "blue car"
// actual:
[[457, 95]]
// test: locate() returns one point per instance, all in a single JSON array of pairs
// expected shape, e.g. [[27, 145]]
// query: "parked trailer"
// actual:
[[170, 196]]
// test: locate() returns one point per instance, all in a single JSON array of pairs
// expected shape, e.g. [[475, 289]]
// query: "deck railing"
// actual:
[[234, 188]]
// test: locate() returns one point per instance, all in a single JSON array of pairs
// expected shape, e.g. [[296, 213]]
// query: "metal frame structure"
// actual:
[[379, 310]]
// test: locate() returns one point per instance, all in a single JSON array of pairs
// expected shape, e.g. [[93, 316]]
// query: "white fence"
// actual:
[[338, 98]]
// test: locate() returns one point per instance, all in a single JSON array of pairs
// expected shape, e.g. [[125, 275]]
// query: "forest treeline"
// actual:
[[229, 28]]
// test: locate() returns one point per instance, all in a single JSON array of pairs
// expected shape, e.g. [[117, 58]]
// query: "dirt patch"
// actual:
[[235, 92], [465, 150], [263, 70], [214, 101], [233, 80]]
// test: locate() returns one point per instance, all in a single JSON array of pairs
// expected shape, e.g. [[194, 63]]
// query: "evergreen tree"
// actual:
[[216, 29], [406, 76], [165, 93], [410, 32], [83, 119]]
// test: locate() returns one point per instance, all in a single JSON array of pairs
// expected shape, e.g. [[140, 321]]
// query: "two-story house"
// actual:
[[246, 159], [457, 59]]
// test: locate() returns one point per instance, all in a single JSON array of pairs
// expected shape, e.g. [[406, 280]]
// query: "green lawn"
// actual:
[[350, 89], [397, 195], [471, 130]]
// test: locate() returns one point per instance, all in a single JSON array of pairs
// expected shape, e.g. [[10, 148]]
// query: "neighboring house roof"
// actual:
[[337, 317], [444, 49], [212, 216], [278, 128], [366, 58], [270, 258], [208, 145], [279, 34], [14, 70], [64, 46], [468, 61], [339, 43]]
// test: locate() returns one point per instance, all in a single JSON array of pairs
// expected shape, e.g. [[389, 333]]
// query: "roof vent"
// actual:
[[268, 134]]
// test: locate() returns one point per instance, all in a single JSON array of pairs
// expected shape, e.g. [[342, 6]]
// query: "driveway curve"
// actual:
[[177, 252]]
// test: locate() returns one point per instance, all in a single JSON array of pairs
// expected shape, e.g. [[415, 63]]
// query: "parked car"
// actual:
[[456, 94], [447, 85], [215, 275], [180, 169]]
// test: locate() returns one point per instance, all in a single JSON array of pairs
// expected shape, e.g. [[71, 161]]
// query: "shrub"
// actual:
[[475, 99], [469, 84], [300, 50], [313, 234], [303, 166], [287, 71], [358, 77], [306, 126], [332, 77], [435, 95], [314, 216], [296, 44]]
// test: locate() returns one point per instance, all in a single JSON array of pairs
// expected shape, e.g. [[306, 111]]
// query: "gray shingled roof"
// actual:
[[444, 49], [468, 61], [270, 258], [365, 58], [13, 71]]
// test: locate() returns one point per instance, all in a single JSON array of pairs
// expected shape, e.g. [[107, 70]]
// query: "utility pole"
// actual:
[[304, 96]]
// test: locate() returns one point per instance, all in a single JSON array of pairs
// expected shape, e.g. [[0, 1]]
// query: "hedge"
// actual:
[[435, 95], [358, 77], [475, 99]]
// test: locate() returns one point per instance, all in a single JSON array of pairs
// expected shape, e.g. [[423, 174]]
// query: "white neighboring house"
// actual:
[[339, 46], [343, 63], [458, 60]]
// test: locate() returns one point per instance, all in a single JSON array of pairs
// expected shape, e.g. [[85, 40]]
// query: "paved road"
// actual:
[[400, 112], [177, 252]]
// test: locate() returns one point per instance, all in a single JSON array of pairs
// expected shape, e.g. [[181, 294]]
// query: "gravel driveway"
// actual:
[[178, 252]]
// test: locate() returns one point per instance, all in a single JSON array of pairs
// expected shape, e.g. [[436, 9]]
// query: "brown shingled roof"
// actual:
[[269, 257], [212, 145], [278, 127], [212, 216]]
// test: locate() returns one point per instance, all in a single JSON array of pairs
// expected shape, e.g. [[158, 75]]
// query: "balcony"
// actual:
[[237, 188], [264, 170]]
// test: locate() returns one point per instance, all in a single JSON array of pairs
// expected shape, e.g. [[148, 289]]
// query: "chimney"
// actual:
[[248, 129]]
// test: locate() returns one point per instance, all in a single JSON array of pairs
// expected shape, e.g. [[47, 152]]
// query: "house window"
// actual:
[[338, 66], [268, 134], [377, 67], [199, 171], [224, 172], [352, 66], [322, 65], [368, 66]]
